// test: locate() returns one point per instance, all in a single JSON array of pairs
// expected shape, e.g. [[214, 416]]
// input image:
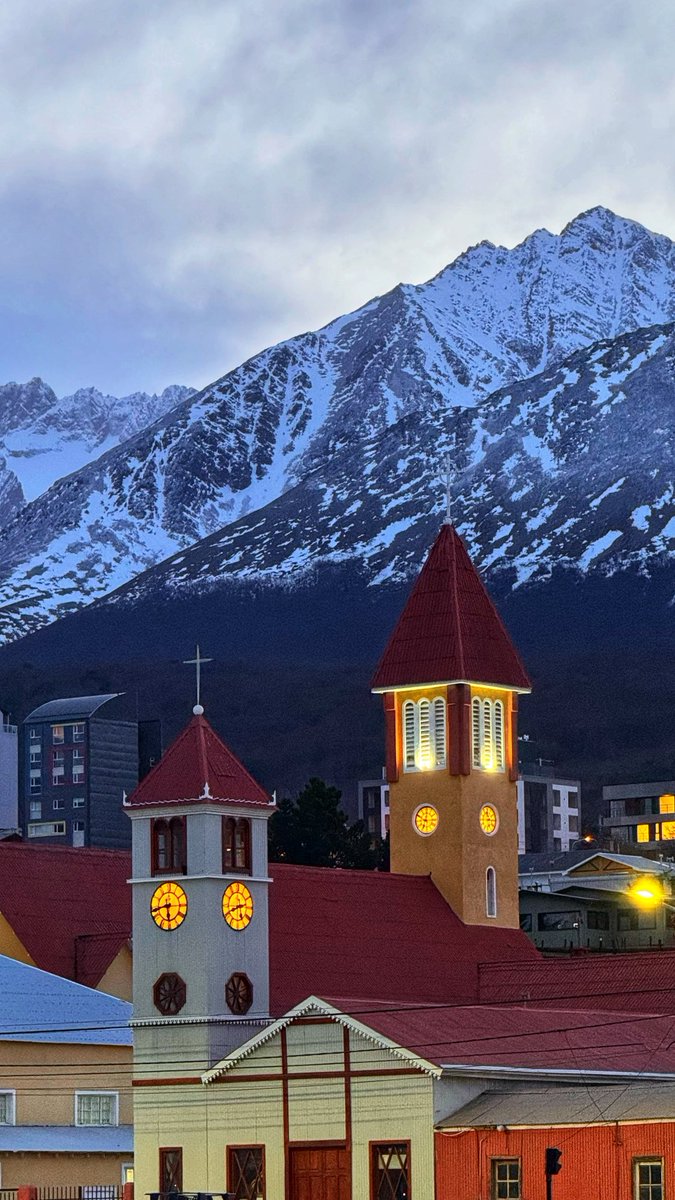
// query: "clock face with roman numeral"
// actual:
[[488, 818], [169, 905], [426, 819], [237, 905]]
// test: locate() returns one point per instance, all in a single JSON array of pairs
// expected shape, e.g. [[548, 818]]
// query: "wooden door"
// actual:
[[320, 1173]]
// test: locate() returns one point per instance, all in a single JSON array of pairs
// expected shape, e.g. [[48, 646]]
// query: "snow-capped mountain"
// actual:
[[44, 437], [572, 467], [545, 371]]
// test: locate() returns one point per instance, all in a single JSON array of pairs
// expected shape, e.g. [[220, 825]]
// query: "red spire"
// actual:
[[198, 768], [449, 630]]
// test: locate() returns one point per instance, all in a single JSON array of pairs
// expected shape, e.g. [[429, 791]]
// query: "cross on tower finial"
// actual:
[[197, 663]]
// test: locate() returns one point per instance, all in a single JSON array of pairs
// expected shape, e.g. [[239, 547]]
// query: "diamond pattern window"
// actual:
[[171, 1169], [246, 1172], [506, 1179], [390, 1171]]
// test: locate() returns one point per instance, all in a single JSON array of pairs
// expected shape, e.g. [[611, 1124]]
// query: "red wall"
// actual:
[[597, 1162]]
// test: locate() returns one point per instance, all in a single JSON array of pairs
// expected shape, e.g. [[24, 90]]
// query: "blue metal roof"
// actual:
[[71, 707], [36, 1006], [67, 1139]]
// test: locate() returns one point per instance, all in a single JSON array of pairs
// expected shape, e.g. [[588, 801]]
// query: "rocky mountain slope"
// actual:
[[44, 437], [545, 372]]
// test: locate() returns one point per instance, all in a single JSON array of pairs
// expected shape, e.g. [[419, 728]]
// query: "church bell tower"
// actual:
[[200, 906], [450, 680]]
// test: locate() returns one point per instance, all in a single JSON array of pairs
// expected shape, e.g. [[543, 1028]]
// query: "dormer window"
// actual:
[[487, 734], [424, 734], [236, 845], [169, 846]]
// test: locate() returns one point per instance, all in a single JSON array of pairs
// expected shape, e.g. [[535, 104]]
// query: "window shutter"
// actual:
[[487, 746], [409, 735], [475, 731], [424, 709], [440, 741], [499, 735]]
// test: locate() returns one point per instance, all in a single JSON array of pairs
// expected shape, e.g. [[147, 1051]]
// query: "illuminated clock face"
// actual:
[[237, 905], [426, 819], [488, 818], [169, 905]]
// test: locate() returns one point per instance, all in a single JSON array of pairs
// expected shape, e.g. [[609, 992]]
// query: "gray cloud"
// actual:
[[183, 184]]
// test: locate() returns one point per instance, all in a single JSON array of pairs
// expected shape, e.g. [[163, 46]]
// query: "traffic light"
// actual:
[[553, 1163]]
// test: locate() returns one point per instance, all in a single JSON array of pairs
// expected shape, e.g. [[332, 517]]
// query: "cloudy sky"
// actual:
[[185, 181]]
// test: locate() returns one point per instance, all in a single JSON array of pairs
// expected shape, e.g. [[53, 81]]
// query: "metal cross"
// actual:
[[197, 662]]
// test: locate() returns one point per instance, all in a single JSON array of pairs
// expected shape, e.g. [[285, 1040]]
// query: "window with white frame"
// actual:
[[491, 892], [57, 735], [7, 1108], [46, 829], [648, 1179], [78, 731], [36, 780], [78, 766], [34, 734], [97, 1108], [487, 734], [425, 740], [78, 802], [35, 810], [36, 754]]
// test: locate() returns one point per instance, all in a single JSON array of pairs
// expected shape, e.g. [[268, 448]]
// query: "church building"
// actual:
[[308, 1034]]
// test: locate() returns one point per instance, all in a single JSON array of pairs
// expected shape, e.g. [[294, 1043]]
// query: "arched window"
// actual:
[[169, 846], [487, 734], [424, 734], [237, 845], [491, 892]]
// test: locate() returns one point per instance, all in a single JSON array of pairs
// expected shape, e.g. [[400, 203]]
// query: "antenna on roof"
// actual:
[[197, 663]]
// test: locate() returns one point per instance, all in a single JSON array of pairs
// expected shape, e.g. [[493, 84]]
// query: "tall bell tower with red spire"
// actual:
[[450, 678]]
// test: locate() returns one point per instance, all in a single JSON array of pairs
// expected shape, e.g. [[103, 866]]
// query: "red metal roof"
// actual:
[[641, 982], [198, 768], [70, 909], [550, 1039], [449, 629], [369, 933]]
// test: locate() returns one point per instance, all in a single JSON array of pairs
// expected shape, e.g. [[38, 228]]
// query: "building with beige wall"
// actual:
[[65, 1082]]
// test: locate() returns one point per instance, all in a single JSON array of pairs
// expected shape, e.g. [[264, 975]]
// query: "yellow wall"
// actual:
[[61, 1170], [117, 979], [10, 944], [458, 853], [46, 1076], [204, 1120]]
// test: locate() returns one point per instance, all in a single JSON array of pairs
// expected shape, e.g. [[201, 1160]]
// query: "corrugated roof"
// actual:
[[198, 768], [40, 1007], [70, 908], [547, 1106], [449, 630], [67, 1139], [370, 933], [568, 1040], [639, 981], [71, 707]]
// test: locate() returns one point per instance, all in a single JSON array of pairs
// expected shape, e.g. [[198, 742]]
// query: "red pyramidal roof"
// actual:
[[449, 630], [198, 768]]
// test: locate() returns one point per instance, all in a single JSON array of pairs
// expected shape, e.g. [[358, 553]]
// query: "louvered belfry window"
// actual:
[[424, 734], [487, 734]]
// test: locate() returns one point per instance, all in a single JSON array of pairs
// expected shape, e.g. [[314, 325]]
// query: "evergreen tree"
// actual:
[[313, 830]]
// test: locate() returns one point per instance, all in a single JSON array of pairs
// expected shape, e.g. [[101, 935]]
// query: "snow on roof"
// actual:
[[72, 707], [36, 1006]]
